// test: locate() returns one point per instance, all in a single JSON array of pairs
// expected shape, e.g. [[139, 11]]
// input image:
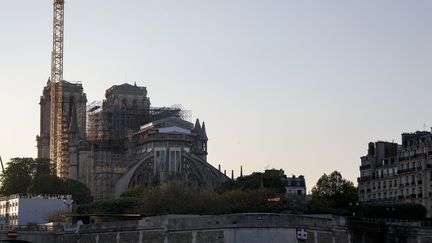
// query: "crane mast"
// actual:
[[56, 126]]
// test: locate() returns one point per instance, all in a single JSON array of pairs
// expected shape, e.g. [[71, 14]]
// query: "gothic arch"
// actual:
[[124, 181]]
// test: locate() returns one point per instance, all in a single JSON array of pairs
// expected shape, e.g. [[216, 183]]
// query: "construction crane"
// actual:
[[1, 161], [56, 119]]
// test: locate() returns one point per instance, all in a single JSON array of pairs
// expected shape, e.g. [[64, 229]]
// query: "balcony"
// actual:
[[402, 171]]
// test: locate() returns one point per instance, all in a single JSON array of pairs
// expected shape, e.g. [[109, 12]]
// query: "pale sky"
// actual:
[[297, 85]]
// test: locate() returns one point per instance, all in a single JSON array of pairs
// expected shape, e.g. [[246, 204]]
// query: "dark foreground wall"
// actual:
[[251, 228], [389, 231]]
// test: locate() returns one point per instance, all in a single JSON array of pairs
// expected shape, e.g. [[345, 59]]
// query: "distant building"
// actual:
[[293, 185], [277, 173], [393, 172], [24, 209]]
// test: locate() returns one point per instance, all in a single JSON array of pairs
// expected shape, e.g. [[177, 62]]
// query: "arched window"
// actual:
[[124, 102], [135, 104]]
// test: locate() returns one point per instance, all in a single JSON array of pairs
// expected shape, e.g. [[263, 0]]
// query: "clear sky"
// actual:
[[297, 85]]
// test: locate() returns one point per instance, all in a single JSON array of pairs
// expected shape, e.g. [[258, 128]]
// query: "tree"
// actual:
[[38, 176], [335, 189], [20, 172], [134, 192], [51, 184], [113, 206], [255, 182], [46, 184], [176, 197], [79, 191]]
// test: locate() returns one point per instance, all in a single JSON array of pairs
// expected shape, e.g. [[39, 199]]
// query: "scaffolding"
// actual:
[[58, 141], [106, 122]]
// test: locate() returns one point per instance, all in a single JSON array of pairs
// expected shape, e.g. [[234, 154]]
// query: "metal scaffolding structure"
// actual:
[[113, 123], [57, 141]]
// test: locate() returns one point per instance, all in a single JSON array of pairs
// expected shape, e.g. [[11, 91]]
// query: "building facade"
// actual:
[[26, 209], [393, 172], [74, 104], [295, 185]]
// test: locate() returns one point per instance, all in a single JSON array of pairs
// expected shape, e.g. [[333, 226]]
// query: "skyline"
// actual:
[[292, 85]]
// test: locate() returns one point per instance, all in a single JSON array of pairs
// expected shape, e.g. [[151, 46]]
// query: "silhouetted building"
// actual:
[[293, 185]]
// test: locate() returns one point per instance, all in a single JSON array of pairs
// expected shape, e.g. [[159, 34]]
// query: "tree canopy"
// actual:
[[254, 182], [79, 191], [20, 172], [178, 198], [334, 190], [38, 176]]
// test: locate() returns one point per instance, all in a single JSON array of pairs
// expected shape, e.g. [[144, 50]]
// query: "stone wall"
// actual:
[[250, 228]]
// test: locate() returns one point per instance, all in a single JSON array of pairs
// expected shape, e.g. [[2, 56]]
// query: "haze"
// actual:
[[297, 85]]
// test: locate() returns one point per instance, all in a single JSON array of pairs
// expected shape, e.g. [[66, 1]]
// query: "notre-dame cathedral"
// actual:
[[123, 141]]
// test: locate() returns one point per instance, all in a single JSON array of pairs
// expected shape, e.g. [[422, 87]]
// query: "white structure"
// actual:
[[27, 209], [295, 185]]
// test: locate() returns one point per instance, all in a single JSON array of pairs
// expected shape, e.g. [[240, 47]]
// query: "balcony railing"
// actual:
[[401, 171]]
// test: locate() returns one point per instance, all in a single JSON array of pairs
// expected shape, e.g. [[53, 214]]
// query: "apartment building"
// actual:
[[392, 172]]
